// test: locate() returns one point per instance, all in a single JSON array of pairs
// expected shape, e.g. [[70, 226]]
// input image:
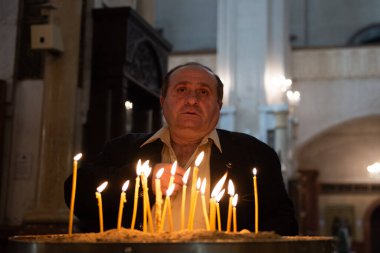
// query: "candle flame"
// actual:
[[159, 173], [218, 186], [198, 183], [125, 186], [254, 171], [220, 195], [147, 171], [234, 200], [170, 190], [139, 168], [231, 188], [199, 158], [186, 176], [102, 186], [203, 187], [174, 168], [77, 157]]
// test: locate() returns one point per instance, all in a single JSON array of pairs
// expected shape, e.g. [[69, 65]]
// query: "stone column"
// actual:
[[250, 50], [58, 116]]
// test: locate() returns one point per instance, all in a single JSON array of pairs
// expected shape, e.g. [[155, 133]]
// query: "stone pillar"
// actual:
[[250, 50], [58, 116]]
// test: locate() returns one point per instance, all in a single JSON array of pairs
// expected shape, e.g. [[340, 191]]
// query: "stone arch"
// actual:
[[350, 144], [367, 224]]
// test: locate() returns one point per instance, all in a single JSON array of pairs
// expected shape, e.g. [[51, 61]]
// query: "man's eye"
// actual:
[[181, 89], [203, 92]]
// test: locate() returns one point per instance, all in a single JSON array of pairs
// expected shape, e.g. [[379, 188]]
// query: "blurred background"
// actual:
[[301, 75]]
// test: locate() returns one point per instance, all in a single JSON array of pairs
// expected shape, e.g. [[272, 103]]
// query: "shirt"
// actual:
[[168, 156]]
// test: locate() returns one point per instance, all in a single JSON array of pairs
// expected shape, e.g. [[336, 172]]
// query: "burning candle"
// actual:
[[218, 198], [73, 190], [167, 205], [231, 192], [123, 200], [192, 211], [203, 189], [136, 197], [198, 161], [254, 171], [100, 205], [218, 187], [184, 180], [172, 172], [158, 197], [147, 215], [234, 203]]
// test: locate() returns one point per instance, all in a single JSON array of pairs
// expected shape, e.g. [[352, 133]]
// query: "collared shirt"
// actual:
[[168, 156]]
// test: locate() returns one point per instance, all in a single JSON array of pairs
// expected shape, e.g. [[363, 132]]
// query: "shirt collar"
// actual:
[[164, 135]]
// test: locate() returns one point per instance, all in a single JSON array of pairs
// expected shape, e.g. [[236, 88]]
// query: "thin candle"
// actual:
[[203, 189], [231, 192], [172, 172], [254, 171], [73, 191], [100, 205], [234, 203], [218, 198], [192, 211], [158, 198], [167, 205], [183, 203], [146, 207], [198, 161], [218, 187], [136, 197], [123, 200]]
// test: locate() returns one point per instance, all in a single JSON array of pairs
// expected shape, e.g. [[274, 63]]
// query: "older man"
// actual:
[[191, 101]]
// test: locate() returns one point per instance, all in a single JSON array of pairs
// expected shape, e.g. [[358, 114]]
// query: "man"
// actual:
[[191, 101]]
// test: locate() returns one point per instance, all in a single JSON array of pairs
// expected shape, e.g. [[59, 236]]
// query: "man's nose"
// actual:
[[192, 97]]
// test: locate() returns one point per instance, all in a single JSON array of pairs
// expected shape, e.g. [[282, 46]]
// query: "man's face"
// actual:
[[191, 107]]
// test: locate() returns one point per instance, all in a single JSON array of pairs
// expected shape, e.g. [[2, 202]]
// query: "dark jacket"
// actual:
[[240, 154]]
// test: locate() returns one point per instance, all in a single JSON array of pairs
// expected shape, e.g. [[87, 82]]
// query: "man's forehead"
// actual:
[[187, 73]]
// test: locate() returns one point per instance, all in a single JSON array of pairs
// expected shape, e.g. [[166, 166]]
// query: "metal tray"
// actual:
[[31, 244]]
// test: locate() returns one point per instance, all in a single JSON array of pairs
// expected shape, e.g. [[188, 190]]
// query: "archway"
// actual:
[[372, 228]]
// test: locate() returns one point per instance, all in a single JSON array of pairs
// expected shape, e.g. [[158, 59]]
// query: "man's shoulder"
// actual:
[[131, 139], [229, 138]]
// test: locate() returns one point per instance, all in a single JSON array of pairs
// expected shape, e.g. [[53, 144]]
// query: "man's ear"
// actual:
[[220, 105]]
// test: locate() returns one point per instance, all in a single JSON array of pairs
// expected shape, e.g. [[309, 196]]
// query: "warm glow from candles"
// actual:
[[102, 187], [203, 189], [147, 215], [136, 197], [198, 161], [192, 209], [218, 198], [234, 203], [167, 206], [78, 157], [73, 191], [186, 176], [100, 205], [231, 188], [254, 171], [159, 173], [174, 168], [123, 200], [231, 192], [183, 203], [125, 186], [214, 193], [199, 158], [218, 187], [158, 198], [234, 200]]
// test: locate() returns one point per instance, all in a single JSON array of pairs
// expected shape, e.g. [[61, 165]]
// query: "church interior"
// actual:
[[301, 75]]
